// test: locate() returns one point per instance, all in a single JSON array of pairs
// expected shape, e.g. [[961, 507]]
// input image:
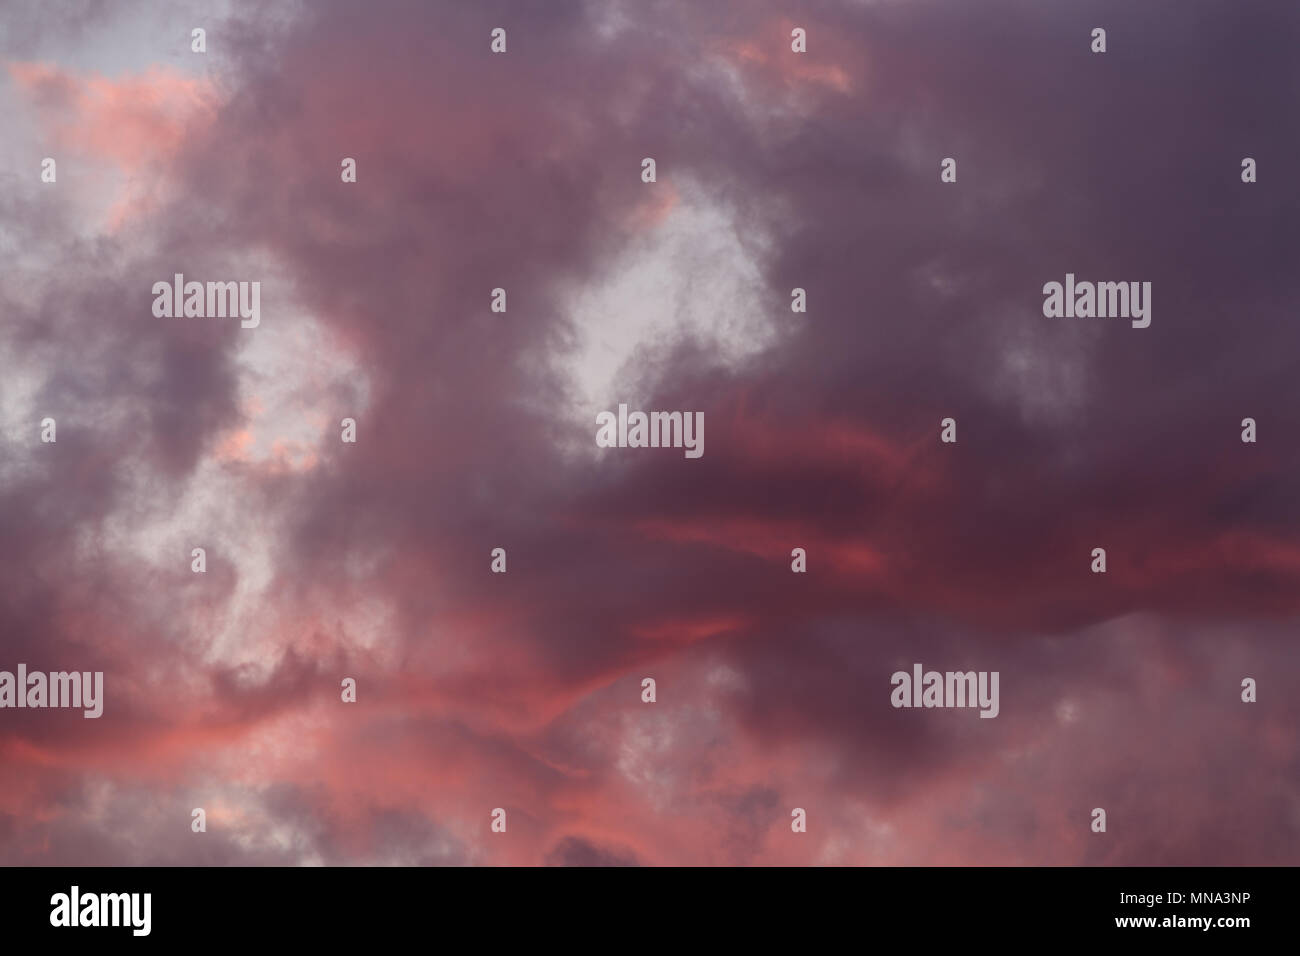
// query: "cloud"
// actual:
[[479, 690]]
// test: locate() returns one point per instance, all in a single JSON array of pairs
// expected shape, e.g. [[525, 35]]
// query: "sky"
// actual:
[[476, 430]]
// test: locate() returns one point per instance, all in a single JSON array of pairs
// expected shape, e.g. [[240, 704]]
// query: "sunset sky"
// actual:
[[476, 430]]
